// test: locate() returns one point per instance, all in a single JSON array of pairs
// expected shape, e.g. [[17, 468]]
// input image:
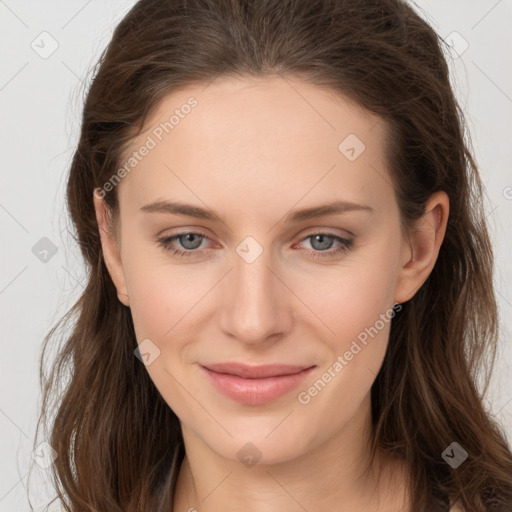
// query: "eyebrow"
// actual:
[[178, 208]]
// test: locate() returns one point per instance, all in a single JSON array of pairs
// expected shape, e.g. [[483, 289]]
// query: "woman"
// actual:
[[221, 356]]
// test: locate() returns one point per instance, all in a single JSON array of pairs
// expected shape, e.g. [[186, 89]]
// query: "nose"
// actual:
[[256, 305]]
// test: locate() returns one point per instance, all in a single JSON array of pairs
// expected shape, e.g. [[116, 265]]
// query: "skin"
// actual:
[[252, 150]]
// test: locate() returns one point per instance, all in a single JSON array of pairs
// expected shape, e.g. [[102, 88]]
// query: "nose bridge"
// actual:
[[255, 303]]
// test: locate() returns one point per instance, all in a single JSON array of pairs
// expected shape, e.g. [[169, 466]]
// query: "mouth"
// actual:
[[255, 385]]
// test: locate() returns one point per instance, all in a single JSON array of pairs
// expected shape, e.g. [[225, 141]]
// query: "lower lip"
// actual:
[[255, 391]]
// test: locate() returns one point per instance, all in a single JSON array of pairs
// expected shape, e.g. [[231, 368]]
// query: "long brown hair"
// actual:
[[115, 436]]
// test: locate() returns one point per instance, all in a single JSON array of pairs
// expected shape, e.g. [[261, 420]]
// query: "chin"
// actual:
[[257, 446]]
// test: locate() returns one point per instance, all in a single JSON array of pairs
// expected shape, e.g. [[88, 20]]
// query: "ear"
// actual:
[[420, 251], [110, 249]]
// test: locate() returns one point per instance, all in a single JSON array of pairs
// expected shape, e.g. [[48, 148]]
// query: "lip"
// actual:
[[255, 385]]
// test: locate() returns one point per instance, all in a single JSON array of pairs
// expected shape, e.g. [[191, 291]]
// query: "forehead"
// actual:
[[276, 138]]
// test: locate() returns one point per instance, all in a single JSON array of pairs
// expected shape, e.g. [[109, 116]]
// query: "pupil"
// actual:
[[189, 238], [321, 238]]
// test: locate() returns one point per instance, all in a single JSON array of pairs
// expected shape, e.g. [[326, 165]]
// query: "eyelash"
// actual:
[[165, 242]]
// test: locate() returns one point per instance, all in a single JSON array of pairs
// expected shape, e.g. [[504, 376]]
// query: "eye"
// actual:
[[191, 240], [188, 239], [322, 242]]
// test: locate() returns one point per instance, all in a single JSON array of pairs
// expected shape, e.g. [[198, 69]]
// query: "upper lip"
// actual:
[[256, 372]]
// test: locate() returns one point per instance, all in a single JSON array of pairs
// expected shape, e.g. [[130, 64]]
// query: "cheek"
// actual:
[[164, 304], [344, 301], [356, 306], [162, 293], [164, 309]]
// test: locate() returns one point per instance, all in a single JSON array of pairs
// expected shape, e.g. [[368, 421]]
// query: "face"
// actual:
[[255, 282]]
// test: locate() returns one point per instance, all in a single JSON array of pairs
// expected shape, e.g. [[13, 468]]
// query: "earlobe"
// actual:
[[422, 248], [110, 250]]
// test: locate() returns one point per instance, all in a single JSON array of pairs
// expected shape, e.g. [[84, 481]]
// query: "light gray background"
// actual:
[[41, 101]]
